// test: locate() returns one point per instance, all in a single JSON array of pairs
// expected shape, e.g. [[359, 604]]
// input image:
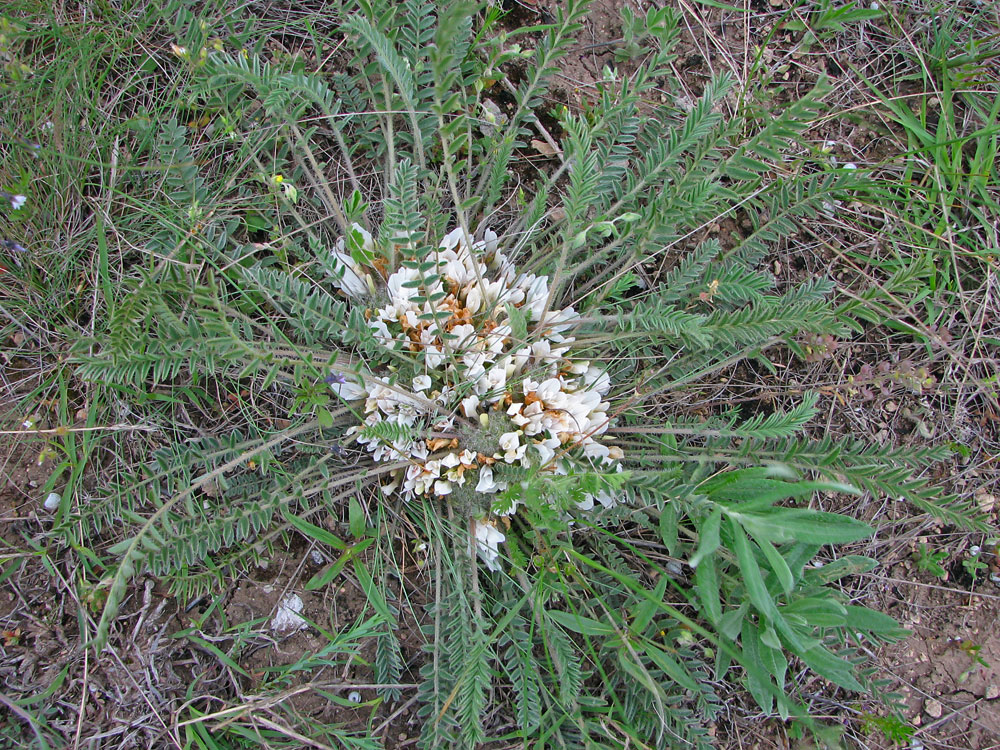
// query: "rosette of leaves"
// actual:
[[608, 627]]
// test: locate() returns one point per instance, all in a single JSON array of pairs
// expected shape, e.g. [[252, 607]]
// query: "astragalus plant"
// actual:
[[478, 356]]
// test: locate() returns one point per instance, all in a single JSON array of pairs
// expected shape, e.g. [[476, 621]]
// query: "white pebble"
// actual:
[[287, 619], [52, 501], [933, 708], [850, 165]]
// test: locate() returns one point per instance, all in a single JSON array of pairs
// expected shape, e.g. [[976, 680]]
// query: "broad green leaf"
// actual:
[[709, 541], [375, 596], [723, 661], [706, 580], [719, 482], [848, 565], [798, 554], [640, 673], [778, 565], [753, 580], [870, 621], [668, 527], [773, 658], [751, 494], [769, 638], [760, 597], [669, 665], [833, 668], [648, 608], [821, 611], [778, 667], [781, 525], [580, 624], [356, 518], [312, 531], [758, 681], [731, 622], [356, 248]]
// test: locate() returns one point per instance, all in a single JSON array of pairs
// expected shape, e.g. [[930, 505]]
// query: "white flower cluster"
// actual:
[[452, 312]]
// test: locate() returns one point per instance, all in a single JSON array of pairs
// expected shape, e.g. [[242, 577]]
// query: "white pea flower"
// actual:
[[545, 452], [596, 379], [490, 242], [486, 482], [346, 389], [350, 276], [453, 239], [509, 441], [470, 406], [488, 539]]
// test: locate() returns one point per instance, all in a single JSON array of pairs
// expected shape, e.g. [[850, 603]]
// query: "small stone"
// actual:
[[993, 692], [933, 708], [288, 619], [891, 406], [52, 501]]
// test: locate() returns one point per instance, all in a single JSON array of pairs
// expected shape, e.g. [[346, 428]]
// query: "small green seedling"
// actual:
[[930, 561]]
